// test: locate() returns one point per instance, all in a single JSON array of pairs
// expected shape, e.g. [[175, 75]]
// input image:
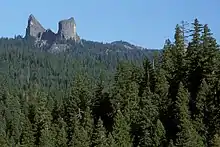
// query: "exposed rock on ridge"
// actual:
[[67, 30], [34, 28]]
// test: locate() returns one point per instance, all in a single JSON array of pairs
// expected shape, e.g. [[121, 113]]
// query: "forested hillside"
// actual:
[[111, 95]]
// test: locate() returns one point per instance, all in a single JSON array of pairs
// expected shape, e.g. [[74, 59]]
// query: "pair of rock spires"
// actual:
[[67, 30]]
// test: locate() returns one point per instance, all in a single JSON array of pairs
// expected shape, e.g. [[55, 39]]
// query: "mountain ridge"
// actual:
[[66, 31]]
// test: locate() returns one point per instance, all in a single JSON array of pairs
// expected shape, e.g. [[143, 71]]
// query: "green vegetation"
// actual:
[[98, 95]]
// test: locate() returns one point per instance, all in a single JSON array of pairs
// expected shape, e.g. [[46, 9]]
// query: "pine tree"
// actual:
[[121, 131], [208, 55], [173, 68], [88, 122], [61, 135], [194, 71], [99, 138], [13, 114], [44, 136], [3, 138], [110, 141], [27, 134], [80, 137], [125, 92], [79, 99], [159, 135], [187, 135], [148, 115], [148, 79], [167, 59], [185, 31], [201, 110]]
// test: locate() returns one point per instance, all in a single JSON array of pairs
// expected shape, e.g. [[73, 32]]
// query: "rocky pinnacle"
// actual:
[[34, 28], [66, 30]]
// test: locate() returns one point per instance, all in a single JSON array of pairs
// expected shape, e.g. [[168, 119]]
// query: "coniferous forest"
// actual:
[[85, 97]]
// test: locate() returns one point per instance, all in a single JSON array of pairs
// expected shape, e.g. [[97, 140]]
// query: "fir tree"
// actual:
[[187, 135], [27, 134], [88, 122], [159, 135], [80, 136], [99, 138], [44, 136], [201, 110], [147, 122], [121, 131], [61, 135], [13, 118], [110, 141], [194, 71]]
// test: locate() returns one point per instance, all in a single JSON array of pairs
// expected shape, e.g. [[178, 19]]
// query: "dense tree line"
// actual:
[[88, 98]]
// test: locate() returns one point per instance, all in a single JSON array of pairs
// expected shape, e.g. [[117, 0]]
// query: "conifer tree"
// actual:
[[125, 92], [99, 138], [159, 135], [161, 91], [44, 135], [80, 136], [110, 141], [27, 134], [75, 105], [201, 109], [121, 131], [88, 122], [167, 61], [13, 118], [147, 122], [61, 135], [209, 53], [194, 71], [3, 138], [149, 78], [187, 135]]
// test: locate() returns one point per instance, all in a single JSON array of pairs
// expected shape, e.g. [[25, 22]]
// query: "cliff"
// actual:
[[34, 28], [66, 30]]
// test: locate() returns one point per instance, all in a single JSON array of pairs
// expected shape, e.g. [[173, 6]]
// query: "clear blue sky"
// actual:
[[142, 22]]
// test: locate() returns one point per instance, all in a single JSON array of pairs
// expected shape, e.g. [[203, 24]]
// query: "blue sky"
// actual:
[[142, 22]]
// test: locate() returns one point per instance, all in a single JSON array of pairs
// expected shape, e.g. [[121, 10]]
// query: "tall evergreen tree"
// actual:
[[194, 71], [201, 110], [121, 131], [13, 118], [187, 135], [149, 133], [80, 136], [60, 131], [125, 92], [27, 134], [43, 131], [99, 138]]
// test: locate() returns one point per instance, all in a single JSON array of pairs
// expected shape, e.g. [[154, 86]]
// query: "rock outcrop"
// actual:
[[66, 30], [49, 36], [34, 28]]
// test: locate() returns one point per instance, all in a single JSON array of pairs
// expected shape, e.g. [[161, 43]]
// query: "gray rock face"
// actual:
[[49, 36], [34, 28], [44, 38], [67, 29]]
